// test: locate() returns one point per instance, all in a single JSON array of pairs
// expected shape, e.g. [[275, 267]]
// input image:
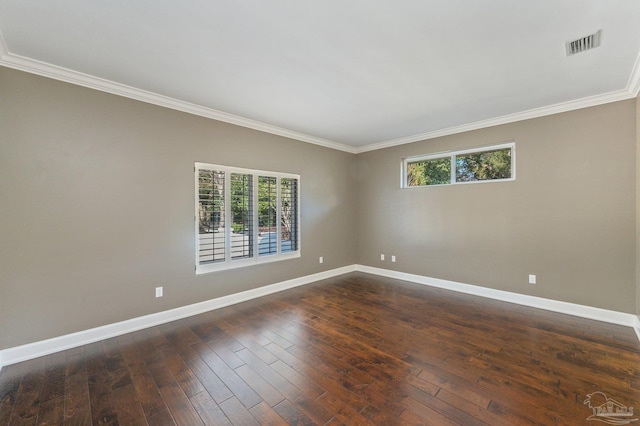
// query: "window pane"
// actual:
[[486, 165], [267, 215], [436, 171], [289, 215], [242, 216], [211, 216]]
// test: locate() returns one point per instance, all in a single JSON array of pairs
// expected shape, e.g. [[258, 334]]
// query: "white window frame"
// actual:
[[228, 262], [404, 179]]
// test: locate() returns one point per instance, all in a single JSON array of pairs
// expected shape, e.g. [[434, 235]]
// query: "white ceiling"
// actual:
[[350, 74]]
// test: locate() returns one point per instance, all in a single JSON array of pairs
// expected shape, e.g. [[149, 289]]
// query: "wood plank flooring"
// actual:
[[353, 350]]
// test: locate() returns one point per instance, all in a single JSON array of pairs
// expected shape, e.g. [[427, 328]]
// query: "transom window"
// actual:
[[244, 217], [487, 164]]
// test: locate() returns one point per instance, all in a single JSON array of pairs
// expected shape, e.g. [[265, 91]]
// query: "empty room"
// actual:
[[319, 213]]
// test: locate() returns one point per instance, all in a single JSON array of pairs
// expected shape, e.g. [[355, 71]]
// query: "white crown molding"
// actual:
[[634, 79], [590, 312], [4, 50], [21, 63], [63, 74], [620, 95], [68, 341]]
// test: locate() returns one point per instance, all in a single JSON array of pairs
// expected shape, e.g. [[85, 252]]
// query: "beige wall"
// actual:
[[638, 205], [569, 217], [97, 207]]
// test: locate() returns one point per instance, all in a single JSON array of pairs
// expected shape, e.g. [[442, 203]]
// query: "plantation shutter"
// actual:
[[211, 216], [289, 215]]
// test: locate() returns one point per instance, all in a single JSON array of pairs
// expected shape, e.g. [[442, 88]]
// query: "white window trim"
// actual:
[[452, 155], [230, 263]]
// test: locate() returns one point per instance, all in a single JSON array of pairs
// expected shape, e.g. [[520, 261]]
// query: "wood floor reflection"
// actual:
[[356, 349]]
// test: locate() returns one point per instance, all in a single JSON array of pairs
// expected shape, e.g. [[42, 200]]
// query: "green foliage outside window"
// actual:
[[492, 164], [436, 171], [241, 202], [211, 195], [267, 202], [486, 165]]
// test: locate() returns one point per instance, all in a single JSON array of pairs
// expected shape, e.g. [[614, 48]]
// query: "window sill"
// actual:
[[241, 263]]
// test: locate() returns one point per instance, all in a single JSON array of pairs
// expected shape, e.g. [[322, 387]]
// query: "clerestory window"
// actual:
[[487, 164]]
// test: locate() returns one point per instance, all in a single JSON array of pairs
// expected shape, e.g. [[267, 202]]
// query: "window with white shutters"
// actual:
[[244, 217]]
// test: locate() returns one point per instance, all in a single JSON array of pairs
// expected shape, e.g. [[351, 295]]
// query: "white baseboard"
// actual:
[[56, 344], [68, 341], [583, 311]]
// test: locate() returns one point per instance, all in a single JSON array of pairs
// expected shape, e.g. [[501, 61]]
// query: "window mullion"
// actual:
[[278, 216], [453, 169], [256, 211], [227, 216]]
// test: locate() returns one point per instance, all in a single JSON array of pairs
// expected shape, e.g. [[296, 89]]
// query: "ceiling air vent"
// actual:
[[583, 44]]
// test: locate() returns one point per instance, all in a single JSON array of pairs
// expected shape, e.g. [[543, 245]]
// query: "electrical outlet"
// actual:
[[158, 291], [532, 279], [393, 258], [382, 257], [321, 259]]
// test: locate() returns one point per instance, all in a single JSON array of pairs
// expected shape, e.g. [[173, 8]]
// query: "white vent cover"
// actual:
[[583, 44]]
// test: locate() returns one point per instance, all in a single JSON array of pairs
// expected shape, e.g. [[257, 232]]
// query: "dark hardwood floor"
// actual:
[[356, 349]]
